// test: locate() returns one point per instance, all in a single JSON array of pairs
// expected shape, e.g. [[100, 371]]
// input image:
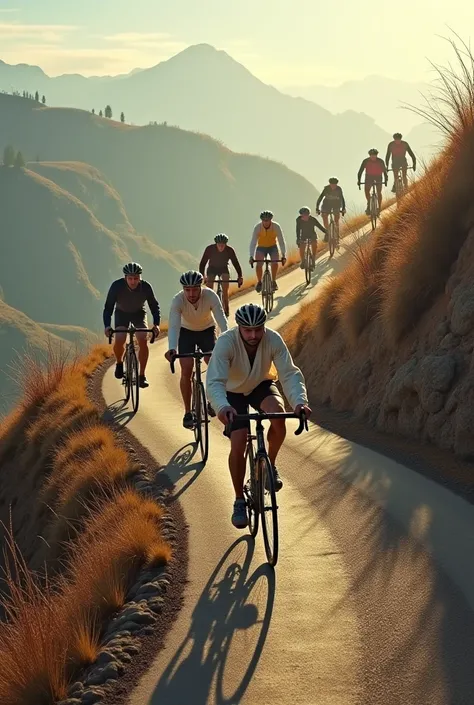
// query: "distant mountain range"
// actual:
[[206, 90]]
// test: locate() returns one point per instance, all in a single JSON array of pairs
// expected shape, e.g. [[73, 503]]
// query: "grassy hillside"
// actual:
[[178, 187], [83, 530], [391, 338]]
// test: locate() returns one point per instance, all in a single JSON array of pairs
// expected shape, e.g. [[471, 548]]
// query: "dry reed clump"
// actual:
[[83, 475], [58, 624]]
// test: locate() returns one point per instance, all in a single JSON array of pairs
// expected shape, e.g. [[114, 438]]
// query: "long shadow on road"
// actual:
[[202, 670]]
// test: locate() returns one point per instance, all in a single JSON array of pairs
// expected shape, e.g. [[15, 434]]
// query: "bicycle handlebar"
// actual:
[[266, 260], [400, 167], [262, 416], [133, 330], [196, 355]]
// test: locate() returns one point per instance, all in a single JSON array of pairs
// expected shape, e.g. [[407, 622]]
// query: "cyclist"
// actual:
[[332, 201], [397, 150], [264, 238], [305, 230], [375, 170], [246, 362], [192, 321], [218, 256], [128, 296]]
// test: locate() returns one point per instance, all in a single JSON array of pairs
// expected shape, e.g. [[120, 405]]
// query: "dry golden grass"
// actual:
[[101, 534]]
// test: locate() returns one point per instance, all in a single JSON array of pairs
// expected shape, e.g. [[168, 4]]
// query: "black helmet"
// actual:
[[132, 268], [266, 215], [373, 151], [333, 180], [397, 136], [304, 211], [191, 279], [221, 237], [250, 316]]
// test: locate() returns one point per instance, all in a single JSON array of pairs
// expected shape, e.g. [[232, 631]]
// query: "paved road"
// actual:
[[371, 601]]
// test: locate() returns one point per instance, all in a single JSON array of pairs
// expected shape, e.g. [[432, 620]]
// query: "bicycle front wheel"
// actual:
[[201, 428], [308, 261], [127, 376], [251, 492], [268, 508], [399, 189], [267, 292], [134, 382], [332, 238]]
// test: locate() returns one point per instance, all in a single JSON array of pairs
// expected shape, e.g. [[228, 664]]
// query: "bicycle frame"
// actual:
[[131, 362], [267, 289]]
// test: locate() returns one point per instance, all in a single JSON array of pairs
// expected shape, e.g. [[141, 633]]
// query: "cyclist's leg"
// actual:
[[367, 189], [259, 257], [325, 216], [301, 248], [379, 193], [186, 344], [122, 321], [210, 279], [404, 174], [238, 440], [140, 321], [205, 340], [314, 246], [225, 291], [395, 176]]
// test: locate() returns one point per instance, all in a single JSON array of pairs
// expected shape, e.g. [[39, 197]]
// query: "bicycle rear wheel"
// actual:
[[399, 189], [268, 508], [201, 427], [332, 238], [251, 492], [134, 382], [267, 292]]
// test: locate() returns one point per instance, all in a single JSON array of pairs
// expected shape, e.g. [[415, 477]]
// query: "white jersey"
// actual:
[[206, 312], [230, 369]]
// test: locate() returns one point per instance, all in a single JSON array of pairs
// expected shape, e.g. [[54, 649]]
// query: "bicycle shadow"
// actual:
[[223, 609], [119, 413], [179, 466]]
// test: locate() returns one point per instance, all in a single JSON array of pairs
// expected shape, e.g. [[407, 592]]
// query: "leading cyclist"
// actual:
[[128, 296], [398, 150], [193, 316], [246, 362], [264, 238], [375, 171], [218, 256]]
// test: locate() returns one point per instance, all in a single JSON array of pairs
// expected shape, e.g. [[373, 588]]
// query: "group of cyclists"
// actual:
[[247, 358]]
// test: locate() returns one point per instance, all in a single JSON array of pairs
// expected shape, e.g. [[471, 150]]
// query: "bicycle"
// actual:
[[400, 189], [267, 283], [260, 486], [373, 204], [130, 364], [199, 406], [220, 290]]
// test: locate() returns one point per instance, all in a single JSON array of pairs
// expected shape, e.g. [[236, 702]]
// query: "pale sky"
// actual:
[[281, 41]]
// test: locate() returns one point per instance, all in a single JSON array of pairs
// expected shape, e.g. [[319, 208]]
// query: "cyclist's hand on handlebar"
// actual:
[[226, 415], [414, 167], [170, 355], [251, 261], [300, 408], [107, 331], [358, 184], [283, 261], [343, 212], [240, 281], [318, 212], [156, 331]]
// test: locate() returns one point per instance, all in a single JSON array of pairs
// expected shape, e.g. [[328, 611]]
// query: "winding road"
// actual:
[[372, 598]]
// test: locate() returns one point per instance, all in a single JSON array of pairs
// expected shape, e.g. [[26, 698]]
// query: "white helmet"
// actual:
[[191, 278], [250, 316]]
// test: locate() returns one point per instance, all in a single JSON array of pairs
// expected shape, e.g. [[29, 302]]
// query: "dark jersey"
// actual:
[[219, 261], [123, 298], [331, 195], [372, 167], [305, 228]]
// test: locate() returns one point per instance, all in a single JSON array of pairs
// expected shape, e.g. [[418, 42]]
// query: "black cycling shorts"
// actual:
[[369, 180], [330, 206], [241, 402], [214, 272], [399, 162], [311, 236], [204, 339], [124, 318]]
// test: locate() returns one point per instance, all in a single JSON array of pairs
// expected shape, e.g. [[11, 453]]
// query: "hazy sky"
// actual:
[[281, 41]]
